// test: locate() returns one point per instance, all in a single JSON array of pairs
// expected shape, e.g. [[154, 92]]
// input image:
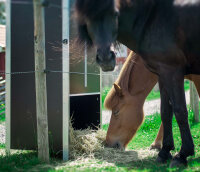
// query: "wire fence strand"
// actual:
[[48, 5], [55, 71]]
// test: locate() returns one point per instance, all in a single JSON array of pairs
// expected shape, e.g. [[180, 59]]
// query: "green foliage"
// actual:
[[104, 94], [2, 146], [187, 85], [2, 116], [2, 13], [153, 95]]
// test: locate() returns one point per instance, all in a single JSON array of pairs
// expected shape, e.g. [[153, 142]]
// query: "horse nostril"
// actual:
[[98, 51], [117, 145], [112, 55], [97, 58]]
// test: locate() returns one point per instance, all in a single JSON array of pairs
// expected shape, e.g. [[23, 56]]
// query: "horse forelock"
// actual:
[[93, 8], [90, 9]]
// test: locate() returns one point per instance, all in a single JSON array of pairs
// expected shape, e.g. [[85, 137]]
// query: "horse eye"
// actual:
[[116, 112]]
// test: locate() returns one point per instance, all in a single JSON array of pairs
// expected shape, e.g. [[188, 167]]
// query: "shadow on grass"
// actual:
[[129, 160], [150, 165], [18, 161]]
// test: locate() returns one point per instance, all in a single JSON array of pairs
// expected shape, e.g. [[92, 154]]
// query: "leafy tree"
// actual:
[[2, 13]]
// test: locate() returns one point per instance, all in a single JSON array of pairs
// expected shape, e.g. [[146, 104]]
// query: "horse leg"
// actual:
[[166, 116], [173, 82], [157, 144]]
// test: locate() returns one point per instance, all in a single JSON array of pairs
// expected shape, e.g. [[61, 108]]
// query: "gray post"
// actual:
[[66, 78], [8, 76], [40, 79], [194, 101]]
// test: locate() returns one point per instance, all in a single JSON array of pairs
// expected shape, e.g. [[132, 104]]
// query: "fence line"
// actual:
[[54, 71]]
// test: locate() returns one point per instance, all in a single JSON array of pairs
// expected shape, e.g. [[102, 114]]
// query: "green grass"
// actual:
[[19, 161], [153, 95], [156, 94], [2, 118], [147, 134], [27, 160], [23, 161]]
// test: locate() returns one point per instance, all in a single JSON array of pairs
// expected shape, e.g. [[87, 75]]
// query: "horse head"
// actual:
[[98, 26], [126, 117], [126, 99]]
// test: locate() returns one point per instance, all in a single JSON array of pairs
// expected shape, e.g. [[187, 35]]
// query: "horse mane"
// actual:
[[123, 80]]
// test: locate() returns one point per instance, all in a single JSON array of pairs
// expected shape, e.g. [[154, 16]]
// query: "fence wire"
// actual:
[[48, 4], [55, 71]]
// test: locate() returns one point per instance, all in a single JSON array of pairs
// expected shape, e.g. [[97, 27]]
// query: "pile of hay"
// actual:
[[91, 144], [86, 142]]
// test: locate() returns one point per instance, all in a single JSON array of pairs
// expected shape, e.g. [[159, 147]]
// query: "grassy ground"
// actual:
[[22, 161], [156, 94], [28, 161]]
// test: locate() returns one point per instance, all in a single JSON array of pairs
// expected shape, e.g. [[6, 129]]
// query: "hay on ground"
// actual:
[[85, 142], [91, 144]]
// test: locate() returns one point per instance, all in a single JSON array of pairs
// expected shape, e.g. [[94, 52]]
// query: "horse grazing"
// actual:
[[126, 99], [163, 34]]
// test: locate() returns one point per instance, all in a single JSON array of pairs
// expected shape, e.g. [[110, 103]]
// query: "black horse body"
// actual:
[[166, 33], [163, 33]]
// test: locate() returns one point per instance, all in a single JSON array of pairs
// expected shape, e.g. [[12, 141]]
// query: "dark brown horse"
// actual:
[[163, 34], [134, 83]]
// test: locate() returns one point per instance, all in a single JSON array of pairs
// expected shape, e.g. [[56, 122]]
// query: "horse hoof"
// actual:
[[178, 161], [160, 160], [157, 147], [163, 160]]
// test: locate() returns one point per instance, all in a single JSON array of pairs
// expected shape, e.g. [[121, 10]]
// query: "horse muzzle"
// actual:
[[106, 61], [116, 145]]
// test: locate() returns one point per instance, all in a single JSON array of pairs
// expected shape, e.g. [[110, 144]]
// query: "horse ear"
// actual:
[[118, 90]]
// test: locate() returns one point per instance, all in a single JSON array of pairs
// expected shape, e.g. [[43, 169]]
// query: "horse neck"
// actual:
[[141, 81], [133, 23], [125, 35]]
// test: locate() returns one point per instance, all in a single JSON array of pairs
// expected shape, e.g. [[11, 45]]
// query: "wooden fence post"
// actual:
[[40, 81], [194, 101]]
